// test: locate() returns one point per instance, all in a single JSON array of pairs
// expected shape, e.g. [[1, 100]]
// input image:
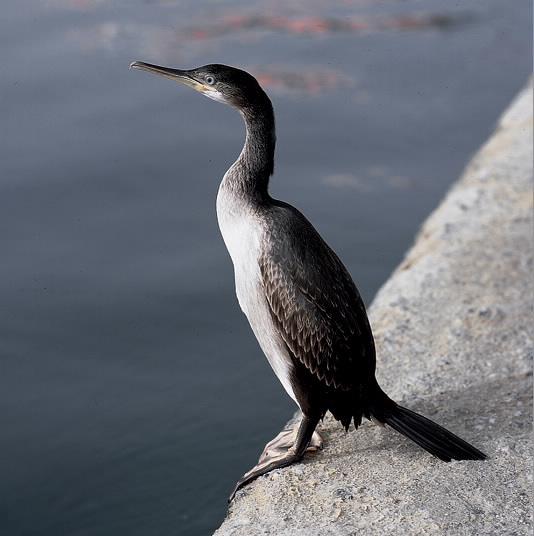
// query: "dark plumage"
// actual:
[[300, 300], [320, 314]]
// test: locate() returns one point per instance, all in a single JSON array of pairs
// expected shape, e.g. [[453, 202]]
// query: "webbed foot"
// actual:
[[288, 447]]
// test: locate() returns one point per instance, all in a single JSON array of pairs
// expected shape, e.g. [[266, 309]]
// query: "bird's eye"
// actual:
[[210, 80]]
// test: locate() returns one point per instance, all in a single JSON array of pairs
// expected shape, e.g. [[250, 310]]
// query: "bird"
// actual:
[[300, 300]]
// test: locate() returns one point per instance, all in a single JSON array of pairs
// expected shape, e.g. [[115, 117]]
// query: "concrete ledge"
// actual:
[[453, 327]]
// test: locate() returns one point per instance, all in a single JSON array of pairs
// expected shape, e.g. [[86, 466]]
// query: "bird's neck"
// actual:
[[249, 176]]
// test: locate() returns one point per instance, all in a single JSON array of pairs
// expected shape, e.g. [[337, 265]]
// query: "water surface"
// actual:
[[132, 391]]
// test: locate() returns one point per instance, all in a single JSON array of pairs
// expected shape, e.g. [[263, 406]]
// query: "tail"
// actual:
[[427, 434]]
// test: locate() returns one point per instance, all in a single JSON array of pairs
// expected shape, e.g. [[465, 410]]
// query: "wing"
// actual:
[[315, 304]]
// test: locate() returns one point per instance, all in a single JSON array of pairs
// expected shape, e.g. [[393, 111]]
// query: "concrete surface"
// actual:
[[453, 327]]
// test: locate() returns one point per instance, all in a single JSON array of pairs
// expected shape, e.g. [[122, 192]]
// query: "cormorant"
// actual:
[[300, 300]]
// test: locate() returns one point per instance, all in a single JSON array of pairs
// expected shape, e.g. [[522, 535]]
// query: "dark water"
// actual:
[[132, 393]]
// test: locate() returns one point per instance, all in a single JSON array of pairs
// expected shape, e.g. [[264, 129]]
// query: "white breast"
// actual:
[[243, 232]]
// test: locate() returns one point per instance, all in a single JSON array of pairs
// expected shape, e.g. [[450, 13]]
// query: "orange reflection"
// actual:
[[312, 81], [321, 25]]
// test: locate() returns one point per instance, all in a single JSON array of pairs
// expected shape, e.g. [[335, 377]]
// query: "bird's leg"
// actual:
[[285, 449], [285, 440]]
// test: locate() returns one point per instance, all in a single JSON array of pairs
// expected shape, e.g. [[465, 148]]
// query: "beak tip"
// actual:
[[133, 65]]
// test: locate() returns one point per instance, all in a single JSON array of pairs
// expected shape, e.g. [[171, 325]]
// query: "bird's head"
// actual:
[[218, 82]]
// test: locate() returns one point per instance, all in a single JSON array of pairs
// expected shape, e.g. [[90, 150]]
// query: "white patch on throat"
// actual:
[[212, 93]]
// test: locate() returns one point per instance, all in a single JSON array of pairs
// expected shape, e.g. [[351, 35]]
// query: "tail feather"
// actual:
[[427, 434]]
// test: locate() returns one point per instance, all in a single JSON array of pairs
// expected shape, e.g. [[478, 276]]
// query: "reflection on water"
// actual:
[[310, 80], [171, 43], [132, 391], [373, 179], [232, 25]]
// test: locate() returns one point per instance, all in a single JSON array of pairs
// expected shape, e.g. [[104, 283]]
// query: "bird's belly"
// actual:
[[256, 309], [243, 241]]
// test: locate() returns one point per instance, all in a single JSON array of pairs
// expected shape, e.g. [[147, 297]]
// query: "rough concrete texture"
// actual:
[[454, 329]]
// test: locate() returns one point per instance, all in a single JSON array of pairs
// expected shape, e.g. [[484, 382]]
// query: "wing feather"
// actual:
[[315, 305]]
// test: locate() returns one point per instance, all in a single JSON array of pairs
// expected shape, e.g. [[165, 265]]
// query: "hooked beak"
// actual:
[[174, 74]]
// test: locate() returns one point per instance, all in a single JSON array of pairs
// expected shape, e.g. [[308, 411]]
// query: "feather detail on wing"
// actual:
[[317, 308]]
